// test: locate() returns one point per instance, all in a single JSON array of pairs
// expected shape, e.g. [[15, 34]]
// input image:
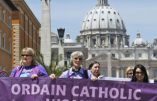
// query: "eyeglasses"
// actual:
[[97, 67], [138, 72], [25, 55], [78, 59], [129, 73]]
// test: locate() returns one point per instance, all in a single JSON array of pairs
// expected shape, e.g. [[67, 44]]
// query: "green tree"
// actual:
[[78, 39], [52, 67]]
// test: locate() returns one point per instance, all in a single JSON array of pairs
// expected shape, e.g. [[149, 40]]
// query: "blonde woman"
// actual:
[[28, 65], [129, 72]]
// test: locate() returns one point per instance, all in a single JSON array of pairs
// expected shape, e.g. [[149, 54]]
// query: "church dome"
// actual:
[[139, 42], [103, 27], [103, 17], [68, 39]]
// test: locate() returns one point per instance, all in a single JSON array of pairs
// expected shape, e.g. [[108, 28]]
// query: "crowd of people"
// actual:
[[29, 67]]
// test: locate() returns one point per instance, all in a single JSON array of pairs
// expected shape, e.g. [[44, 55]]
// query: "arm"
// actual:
[[42, 71], [64, 74], [13, 72]]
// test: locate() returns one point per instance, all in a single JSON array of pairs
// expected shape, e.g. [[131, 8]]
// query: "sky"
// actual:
[[138, 15]]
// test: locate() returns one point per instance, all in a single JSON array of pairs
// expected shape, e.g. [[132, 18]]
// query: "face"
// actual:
[[26, 58], [77, 62], [95, 69], [130, 73], [139, 75]]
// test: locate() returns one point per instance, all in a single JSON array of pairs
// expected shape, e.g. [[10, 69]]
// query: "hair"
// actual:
[[91, 65], [143, 69], [31, 52], [75, 54], [128, 69]]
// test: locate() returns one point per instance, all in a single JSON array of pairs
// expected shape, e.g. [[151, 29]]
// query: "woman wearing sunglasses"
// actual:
[[140, 74], [28, 65]]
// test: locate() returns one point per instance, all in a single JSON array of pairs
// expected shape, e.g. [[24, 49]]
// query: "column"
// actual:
[[109, 66], [117, 71]]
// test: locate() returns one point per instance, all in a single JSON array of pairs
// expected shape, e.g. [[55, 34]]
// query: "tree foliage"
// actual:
[[52, 67]]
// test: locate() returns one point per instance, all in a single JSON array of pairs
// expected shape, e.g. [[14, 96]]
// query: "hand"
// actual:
[[93, 78], [34, 76], [52, 76]]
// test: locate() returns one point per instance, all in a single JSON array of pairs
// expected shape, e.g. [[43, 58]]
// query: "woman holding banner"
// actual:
[[76, 70], [94, 71], [140, 74], [28, 65]]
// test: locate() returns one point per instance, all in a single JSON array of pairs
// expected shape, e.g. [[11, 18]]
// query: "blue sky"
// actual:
[[138, 15]]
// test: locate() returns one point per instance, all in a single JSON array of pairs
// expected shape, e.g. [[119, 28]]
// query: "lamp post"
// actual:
[[61, 48]]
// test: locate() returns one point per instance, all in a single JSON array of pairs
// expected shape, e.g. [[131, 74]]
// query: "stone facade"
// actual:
[[104, 34]]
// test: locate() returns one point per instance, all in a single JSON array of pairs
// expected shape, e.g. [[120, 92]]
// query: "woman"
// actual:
[[28, 65], [94, 70], [129, 72], [76, 70], [140, 74]]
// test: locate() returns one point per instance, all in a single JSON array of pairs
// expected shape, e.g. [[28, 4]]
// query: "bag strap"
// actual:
[[18, 71], [86, 74]]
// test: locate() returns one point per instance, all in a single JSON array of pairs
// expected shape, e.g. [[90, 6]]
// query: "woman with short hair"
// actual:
[[76, 70]]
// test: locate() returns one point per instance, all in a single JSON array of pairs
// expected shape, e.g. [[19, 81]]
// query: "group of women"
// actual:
[[30, 68]]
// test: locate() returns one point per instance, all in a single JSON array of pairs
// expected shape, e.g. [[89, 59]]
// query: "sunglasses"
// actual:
[[25, 55], [78, 59]]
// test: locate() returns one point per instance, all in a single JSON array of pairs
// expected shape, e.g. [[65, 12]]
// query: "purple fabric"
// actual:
[[38, 70], [45, 89]]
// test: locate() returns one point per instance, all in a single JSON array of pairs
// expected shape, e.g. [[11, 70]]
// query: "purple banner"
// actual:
[[45, 89]]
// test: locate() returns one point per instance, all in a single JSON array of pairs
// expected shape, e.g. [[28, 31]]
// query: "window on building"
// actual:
[[93, 55], [3, 16], [113, 72], [3, 40], [113, 55], [26, 23], [117, 21], [30, 28], [94, 42], [9, 21], [0, 38], [140, 55], [0, 13], [127, 55], [9, 48], [155, 55]]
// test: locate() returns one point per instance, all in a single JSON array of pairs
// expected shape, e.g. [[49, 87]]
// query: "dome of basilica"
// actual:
[[103, 27], [103, 17]]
